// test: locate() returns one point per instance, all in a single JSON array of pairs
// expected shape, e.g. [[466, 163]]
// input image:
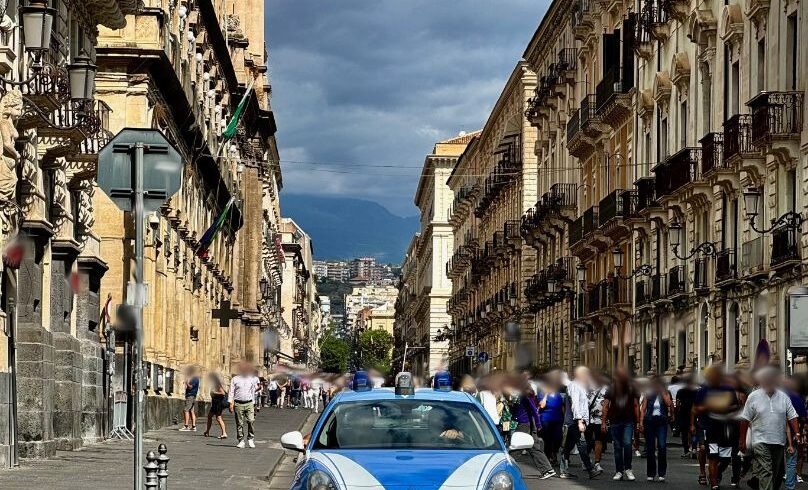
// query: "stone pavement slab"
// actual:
[[196, 462]]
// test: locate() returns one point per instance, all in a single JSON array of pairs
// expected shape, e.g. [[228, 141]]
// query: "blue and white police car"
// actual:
[[405, 439]]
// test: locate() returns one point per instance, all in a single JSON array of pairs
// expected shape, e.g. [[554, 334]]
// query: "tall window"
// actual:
[[761, 65], [736, 88], [663, 139], [792, 50], [683, 125]]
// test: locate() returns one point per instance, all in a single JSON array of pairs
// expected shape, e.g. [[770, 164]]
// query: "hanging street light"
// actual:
[[37, 25], [675, 239], [792, 220], [81, 74]]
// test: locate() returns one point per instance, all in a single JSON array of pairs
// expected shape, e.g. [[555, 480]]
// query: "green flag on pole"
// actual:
[[230, 130]]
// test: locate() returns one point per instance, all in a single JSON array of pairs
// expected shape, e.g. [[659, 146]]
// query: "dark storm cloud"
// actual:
[[379, 81]]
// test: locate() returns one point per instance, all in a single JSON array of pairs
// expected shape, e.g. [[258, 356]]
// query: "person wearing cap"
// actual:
[[767, 412]]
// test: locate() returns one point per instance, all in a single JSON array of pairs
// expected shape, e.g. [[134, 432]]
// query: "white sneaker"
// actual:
[[650, 478], [598, 467], [660, 479], [617, 476], [251, 443], [185, 428], [240, 445], [629, 475]]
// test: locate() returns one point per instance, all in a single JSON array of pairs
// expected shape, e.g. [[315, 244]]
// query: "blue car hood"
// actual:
[[417, 469]]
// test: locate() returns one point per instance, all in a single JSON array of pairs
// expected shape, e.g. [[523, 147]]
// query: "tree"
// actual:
[[375, 348], [334, 354]]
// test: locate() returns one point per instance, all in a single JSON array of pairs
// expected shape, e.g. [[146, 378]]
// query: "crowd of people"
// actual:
[[248, 393], [737, 426]]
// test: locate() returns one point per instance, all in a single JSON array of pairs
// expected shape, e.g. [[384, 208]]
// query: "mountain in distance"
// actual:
[[344, 228]]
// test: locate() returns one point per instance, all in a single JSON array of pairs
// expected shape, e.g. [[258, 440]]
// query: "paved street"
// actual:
[[196, 462]]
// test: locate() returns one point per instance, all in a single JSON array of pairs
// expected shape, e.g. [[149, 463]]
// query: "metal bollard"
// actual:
[[151, 470], [162, 467]]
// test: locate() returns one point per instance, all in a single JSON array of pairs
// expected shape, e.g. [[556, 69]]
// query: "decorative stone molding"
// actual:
[[758, 11], [702, 28], [680, 74], [732, 27], [11, 108], [645, 107], [662, 91]]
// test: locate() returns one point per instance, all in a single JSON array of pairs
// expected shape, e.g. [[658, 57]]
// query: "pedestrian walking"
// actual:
[[766, 413], [716, 404], [794, 459], [656, 411], [683, 407], [273, 392], [595, 435], [189, 408], [621, 414], [575, 423], [316, 389], [526, 415], [283, 392], [243, 388], [218, 402], [296, 387], [551, 414]]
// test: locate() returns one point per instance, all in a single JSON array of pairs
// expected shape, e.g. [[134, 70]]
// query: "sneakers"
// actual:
[[637, 453], [649, 478], [598, 467], [661, 479], [547, 474], [799, 479], [629, 475], [240, 445], [185, 428], [251, 443], [617, 476], [193, 428], [566, 476], [594, 474]]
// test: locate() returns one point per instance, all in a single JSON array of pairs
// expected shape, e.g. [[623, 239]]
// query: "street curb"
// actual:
[[307, 425]]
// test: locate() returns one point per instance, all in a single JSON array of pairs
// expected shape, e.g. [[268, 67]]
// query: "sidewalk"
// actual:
[[196, 462]]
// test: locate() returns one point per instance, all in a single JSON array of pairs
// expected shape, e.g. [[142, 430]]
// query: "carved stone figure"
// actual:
[[10, 110]]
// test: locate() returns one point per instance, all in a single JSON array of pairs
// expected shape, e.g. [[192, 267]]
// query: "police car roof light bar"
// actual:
[[442, 381], [361, 381], [404, 384]]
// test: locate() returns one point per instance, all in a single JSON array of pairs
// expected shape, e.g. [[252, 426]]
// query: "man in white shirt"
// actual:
[[768, 412], [243, 388], [575, 421]]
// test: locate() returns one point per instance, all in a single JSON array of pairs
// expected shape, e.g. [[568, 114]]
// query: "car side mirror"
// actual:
[[293, 440], [520, 441]]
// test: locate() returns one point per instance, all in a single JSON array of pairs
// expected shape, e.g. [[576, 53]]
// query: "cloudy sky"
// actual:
[[363, 88]]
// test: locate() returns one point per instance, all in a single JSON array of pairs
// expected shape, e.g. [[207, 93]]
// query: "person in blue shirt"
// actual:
[[191, 390], [551, 415], [525, 413], [794, 459]]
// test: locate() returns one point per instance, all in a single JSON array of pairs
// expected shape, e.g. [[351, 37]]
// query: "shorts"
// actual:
[[594, 433], [716, 451], [190, 403]]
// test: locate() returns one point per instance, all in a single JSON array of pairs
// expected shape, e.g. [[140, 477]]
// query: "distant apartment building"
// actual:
[[364, 269], [367, 297], [338, 270], [320, 268]]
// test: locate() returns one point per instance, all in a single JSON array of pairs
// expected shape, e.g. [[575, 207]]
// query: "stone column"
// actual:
[[66, 348], [35, 383], [88, 308]]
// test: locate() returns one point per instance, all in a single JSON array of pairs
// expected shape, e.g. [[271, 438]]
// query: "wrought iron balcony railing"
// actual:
[[610, 86], [700, 274], [646, 193], [574, 124], [775, 115], [677, 280], [575, 232], [590, 220], [659, 287], [752, 257], [738, 137], [641, 292], [611, 207], [725, 266], [680, 169], [785, 246], [712, 148]]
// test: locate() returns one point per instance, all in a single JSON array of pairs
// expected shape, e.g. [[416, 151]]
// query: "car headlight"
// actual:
[[320, 480], [500, 481]]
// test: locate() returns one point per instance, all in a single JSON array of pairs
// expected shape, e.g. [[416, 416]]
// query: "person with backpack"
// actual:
[[526, 416], [551, 414]]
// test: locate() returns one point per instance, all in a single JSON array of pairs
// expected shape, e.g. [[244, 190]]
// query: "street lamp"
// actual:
[[675, 239], [580, 272], [81, 74], [617, 258], [37, 25], [791, 219]]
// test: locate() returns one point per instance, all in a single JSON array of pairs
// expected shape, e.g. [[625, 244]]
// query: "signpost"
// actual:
[[139, 170]]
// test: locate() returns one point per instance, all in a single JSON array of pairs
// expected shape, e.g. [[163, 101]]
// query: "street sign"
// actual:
[[471, 351], [482, 357], [139, 170], [162, 168]]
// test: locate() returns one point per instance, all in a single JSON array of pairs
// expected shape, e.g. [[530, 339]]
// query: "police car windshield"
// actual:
[[406, 424]]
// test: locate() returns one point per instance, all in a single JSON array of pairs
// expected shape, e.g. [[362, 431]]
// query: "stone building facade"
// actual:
[[662, 132], [52, 353], [183, 68]]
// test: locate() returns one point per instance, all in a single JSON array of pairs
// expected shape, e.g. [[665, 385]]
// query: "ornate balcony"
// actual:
[[785, 247], [738, 139], [677, 285], [643, 42], [679, 171], [701, 282], [513, 237], [659, 28], [611, 208], [712, 149], [576, 232], [676, 9], [567, 63], [725, 267], [612, 98], [775, 116], [659, 287], [646, 194], [752, 263], [583, 19], [642, 292], [585, 128], [590, 220], [556, 207]]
